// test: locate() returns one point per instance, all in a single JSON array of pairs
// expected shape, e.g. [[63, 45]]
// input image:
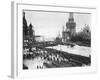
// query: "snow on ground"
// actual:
[[79, 50]]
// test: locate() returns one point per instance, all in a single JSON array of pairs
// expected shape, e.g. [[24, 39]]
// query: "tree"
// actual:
[[84, 37]]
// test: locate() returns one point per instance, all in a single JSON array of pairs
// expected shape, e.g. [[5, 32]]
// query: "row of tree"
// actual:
[[83, 37]]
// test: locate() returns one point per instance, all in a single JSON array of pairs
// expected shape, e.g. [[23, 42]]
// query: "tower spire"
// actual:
[[71, 18], [71, 15], [63, 29], [23, 14]]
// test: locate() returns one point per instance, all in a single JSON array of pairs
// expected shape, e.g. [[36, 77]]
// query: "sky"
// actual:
[[50, 24]]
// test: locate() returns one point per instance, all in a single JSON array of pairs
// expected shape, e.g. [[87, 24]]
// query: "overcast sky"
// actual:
[[50, 24]]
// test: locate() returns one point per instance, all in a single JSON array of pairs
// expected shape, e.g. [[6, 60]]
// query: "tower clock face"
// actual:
[[70, 26]]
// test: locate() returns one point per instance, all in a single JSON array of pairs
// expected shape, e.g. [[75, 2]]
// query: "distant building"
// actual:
[[58, 38], [70, 29], [28, 33], [39, 38], [29, 37]]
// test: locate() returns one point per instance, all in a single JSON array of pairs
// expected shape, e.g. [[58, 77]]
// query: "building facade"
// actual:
[[70, 29]]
